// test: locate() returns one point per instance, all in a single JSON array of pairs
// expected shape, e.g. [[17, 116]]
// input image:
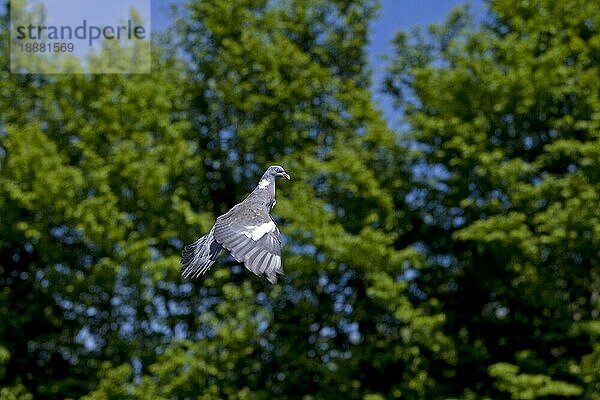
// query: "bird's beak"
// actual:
[[286, 176]]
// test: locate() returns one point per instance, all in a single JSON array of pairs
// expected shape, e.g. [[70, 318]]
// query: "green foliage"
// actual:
[[505, 117], [17, 392], [458, 259], [527, 386]]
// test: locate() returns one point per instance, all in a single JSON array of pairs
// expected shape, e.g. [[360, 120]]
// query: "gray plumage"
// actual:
[[247, 230]]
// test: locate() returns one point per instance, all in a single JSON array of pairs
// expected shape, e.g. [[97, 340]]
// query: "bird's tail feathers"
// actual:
[[199, 256]]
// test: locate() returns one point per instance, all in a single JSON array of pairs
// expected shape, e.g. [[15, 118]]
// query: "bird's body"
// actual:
[[247, 231]]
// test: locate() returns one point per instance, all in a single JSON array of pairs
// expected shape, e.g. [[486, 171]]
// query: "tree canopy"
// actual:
[[458, 257]]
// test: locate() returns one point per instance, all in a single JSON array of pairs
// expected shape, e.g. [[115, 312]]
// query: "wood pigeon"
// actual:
[[247, 231]]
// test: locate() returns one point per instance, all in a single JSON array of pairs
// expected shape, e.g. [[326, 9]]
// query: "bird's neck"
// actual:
[[266, 183]]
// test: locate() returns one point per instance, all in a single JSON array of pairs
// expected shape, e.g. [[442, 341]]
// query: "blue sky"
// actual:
[[394, 15], [404, 15]]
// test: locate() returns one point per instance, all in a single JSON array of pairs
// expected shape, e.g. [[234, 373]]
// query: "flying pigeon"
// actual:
[[247, 231]]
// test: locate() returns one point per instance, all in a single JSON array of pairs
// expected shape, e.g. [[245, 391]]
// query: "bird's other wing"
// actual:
[[252, 237], [199, 256]]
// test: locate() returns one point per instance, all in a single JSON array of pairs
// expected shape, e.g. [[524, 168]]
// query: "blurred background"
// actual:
[[441, 229]]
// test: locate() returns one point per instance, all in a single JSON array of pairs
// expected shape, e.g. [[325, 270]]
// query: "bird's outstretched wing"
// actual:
[[252, 238]]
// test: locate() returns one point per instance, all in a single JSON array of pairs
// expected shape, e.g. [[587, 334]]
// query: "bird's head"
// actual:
[[277, 171]]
